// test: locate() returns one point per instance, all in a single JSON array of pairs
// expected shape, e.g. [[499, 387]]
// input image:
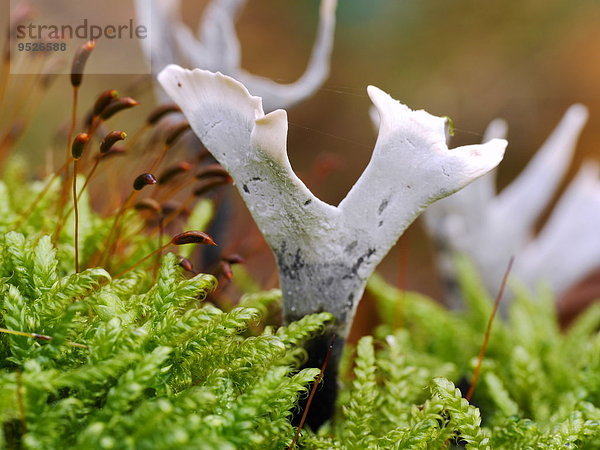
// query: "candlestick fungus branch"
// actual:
[[326, 253]]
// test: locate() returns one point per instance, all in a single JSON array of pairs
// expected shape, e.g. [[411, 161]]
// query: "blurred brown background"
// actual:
[[523, 60]]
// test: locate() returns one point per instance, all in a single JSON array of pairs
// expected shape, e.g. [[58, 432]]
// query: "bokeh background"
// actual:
[[523, 60]]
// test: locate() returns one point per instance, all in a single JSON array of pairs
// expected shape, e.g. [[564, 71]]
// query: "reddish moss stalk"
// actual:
[[81, 56], [76, 213], [174, 133], [77, 149], [187, 237], [39, 337], [488, 331], [139, 183], [5, 70], [25, 215], [312, 393]]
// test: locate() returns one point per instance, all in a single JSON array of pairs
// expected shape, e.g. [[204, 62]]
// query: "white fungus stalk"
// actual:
[[326, 253], [489, 227]]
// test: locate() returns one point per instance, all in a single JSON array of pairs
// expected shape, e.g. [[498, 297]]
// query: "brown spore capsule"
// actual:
[[225, 270], [161, 111], [111, 139], [116, 106], [175, 132], [143, 180], [234, 259], [103, 100], [41, 337], [79, 144], [81, 56], [212, 170], [89, 118], [148, 204], [172, 172], [192, 237], [187, 265], [170, 207], [209, 184]]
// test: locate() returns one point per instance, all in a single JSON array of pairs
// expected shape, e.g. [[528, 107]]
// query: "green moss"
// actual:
[[145, 362]]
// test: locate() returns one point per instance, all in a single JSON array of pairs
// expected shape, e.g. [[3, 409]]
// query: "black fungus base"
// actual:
[[323, 404]]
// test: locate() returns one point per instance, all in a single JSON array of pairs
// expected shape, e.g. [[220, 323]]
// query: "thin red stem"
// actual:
[[76, 211], [5, 71], [144, 259], [65, 189], [89, 176], [81, 191], [312, 394], [136, 137], [161, 233], [111, 241], [159, 159], [488, 331], [42, 193], [39, 337]]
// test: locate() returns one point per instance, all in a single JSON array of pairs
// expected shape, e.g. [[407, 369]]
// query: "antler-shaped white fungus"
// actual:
[[217, 47], [490, 227], [568, 247], [326, 253]]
